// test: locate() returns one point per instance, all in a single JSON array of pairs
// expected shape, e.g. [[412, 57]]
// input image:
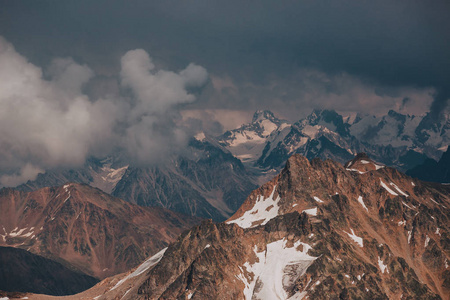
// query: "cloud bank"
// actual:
[[261, 49], [47, 121]]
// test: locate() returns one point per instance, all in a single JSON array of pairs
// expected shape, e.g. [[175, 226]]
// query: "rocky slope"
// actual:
[[319, 230], [100, 173], [206, 181], [22, 271], [85, 228]]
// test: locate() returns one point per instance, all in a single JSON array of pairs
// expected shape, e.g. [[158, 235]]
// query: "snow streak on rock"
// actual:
[[143, 267], [311, 211], [264, 210], [360, 200], [356, 238], [384, 185]]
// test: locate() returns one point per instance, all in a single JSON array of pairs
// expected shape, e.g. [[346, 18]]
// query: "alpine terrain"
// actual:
[[318, 230], [206, 181], [86, 229]]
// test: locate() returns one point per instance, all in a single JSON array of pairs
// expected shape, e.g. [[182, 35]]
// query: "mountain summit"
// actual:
[[317, 230]]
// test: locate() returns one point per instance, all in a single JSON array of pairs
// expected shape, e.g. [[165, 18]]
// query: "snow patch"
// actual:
[[401, 223], [377, 167], [317, 199], [311, 211], [355, 170], [382, 266], [437, 231], [275, 271], [143, 267], [407, 205], [412, 183], [355, 238], [264, 210], [399, 190], [427, 240], [207, 246], [409, 236], [360, 200], [437, 203], [387, 188]]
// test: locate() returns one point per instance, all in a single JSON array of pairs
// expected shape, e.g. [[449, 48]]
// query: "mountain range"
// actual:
[[401, 141], [318, 230], [85, 229], [212, 178]]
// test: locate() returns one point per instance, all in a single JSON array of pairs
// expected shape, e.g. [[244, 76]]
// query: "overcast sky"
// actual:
[[132, 69]]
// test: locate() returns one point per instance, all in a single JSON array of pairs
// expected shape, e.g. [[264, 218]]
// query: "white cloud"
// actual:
[[51, 123], [159, 90], [27, 172]]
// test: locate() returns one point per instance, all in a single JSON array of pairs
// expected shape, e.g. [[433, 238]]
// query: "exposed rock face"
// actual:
[[209, 183], [103, 174], [214, 175], [22, 271], [85, 228], [317, 230], [206, 181]]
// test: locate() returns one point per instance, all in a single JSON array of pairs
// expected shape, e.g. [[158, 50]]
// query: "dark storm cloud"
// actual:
[[288, 56], [393, 42]]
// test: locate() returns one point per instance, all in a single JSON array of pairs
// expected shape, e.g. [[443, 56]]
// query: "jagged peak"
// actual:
[[263, 115], [325, 114], [297, 160]]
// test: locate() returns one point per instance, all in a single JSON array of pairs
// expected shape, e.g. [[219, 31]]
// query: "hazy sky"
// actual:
[[116, 73]]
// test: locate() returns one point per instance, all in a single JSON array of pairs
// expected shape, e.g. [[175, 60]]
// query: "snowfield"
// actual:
[[264, 209], [275, 270]]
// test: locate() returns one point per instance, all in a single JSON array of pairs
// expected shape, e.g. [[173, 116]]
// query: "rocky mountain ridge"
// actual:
[[214, 175], [86, 229], [206, 181], [317, 230], [401, 141]]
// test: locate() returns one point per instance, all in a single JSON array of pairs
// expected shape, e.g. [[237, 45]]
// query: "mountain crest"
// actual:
[[94, 232], [263, 115]]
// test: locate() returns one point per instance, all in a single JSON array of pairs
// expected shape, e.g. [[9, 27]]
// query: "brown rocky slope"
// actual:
[[85, 228], [319, 230]]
